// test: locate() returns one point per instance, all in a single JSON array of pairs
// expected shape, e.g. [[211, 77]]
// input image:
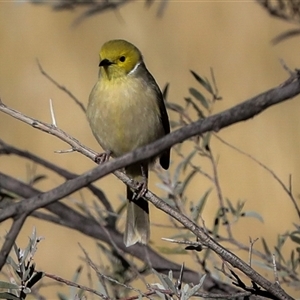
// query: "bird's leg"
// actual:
[[102, 157], [142, 185]]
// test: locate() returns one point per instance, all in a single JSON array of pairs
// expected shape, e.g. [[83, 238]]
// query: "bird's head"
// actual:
[[118, 58]]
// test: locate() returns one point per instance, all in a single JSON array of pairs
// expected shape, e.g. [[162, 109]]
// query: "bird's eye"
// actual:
[[122, 58]]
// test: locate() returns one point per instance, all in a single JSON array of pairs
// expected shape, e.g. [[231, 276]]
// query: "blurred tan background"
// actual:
[[232, 37]]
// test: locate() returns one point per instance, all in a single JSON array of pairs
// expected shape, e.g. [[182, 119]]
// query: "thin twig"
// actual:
[[9, 149], [72, 219], [99, 274], [61, 87], [52, 113], [189, 243], [220, 194], [77, 285], [275, 269], [11, 237], [287, 189], [252, 242], [236, 114]]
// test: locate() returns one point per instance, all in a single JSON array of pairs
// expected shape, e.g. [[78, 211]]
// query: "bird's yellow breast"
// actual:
[[124, 114]]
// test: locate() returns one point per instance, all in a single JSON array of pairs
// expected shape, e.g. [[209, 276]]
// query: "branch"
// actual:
[[61, 87], [238, 113], [287, 189], [241, 112], [68, 217], [11, 237], [8, 149]]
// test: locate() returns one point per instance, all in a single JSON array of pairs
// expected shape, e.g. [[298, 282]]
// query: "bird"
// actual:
[[126, 111]]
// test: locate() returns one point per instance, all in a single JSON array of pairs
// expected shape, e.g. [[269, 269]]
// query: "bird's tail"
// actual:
[[137, 220]]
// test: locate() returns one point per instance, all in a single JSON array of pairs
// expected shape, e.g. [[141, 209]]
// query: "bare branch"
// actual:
[[68, 217], [9, 149], [75, 284], [61, 87], [241, 112], [286, 188], [11, 237]]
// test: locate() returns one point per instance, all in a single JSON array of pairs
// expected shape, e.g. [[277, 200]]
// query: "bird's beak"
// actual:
[[105, 63]]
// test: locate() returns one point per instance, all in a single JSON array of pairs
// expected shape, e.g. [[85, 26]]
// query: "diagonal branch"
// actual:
[[68, 217], [238, 113], [11, 237], [8, 149], [241, 112]]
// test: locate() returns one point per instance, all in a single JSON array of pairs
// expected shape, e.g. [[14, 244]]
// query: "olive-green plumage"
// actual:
[[126, 111]]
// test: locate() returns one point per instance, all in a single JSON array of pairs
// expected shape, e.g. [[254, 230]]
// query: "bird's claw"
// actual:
[[142, 189], [102, 157]]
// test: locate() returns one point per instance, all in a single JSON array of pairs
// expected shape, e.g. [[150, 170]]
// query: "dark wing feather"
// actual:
[[165, 156]]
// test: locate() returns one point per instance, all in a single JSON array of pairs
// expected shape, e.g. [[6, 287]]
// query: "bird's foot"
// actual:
[[102, 157], [142, 188]]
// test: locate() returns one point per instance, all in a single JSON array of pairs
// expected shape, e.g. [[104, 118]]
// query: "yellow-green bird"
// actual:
[[126, 111]]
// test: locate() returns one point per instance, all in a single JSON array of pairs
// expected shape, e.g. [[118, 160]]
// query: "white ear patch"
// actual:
[[135, 68]]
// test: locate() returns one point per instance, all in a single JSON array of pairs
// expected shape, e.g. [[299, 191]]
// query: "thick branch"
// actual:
[[68, 217], [236, 114], [8, 149]]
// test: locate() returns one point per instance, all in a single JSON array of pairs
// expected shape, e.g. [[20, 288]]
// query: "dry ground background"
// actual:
[[233, 37]]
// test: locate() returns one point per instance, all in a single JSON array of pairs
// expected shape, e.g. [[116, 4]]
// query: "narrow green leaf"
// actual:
[[240, 205], [263, 265], [28, 270], [164, 187], [36, 179], [196, 288], [171, 251], [62, 296], [231, 208], [200, 113], [174, 107], [8, 285], [159, 294], [185, 183], [182, 166], [253, 214], [266, 248], [75, 278], [175, 124], [206, 254], [170, 284], [26, 251], [102, 289], [187, 159], [203, 82], [99, 211], [295, 237], [184, 292], [199, 97], [170, 275], [294, 261], [9, 296], [216, 226], [281, 240], [11, 262], [202, 280], [279, 253], [198, 208], [76, 275], [16, 249], [166, 282]]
